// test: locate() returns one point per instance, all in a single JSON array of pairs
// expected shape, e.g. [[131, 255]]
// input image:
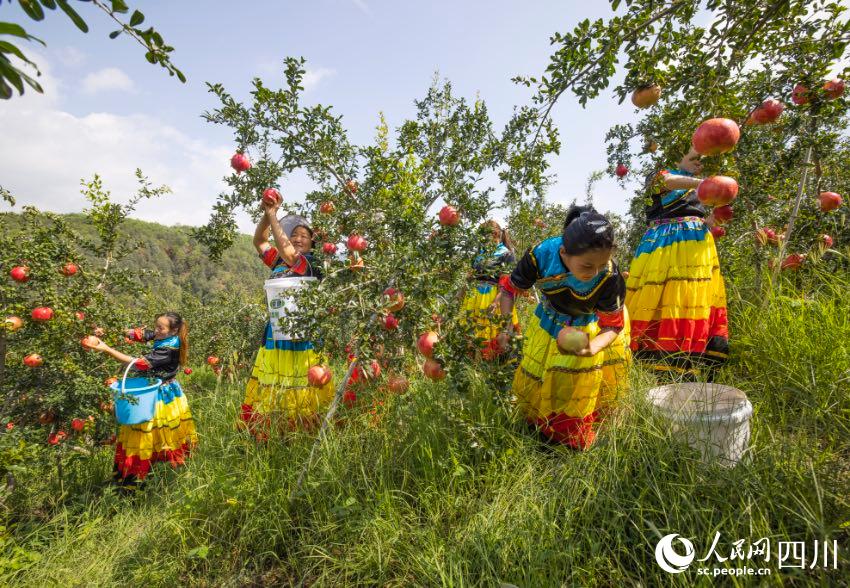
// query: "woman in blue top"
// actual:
[[564, 393], [170, 435], [480, 306]]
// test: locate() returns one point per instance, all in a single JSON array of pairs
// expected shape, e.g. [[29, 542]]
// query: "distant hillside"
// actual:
[[182, 263]]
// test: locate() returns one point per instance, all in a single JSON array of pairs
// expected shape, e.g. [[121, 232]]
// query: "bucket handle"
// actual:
[[126, 372]]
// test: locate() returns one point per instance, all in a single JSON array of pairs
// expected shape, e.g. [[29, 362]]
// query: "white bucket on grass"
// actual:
[[280, 296], [712, 418]]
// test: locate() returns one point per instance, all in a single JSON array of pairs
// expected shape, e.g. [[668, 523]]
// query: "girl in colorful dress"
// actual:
[[480, 306], [675, 293], [170, 435], [278, 392], [564, 394]]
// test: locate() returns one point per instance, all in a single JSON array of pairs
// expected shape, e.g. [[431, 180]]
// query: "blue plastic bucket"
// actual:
[[136, 405]]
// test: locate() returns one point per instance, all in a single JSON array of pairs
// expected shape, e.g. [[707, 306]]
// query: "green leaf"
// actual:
[[49, 4], [199, 552], [75, 18], [120, 6], [5, 90], [114, 34], [8, 28], [137, 18], [33, 9], [6, 47], [14, 77], [180, 75]]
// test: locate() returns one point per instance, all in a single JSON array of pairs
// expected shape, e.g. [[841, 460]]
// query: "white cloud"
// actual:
[[48, 151], [107, 79], [71, 56], [313, 77]]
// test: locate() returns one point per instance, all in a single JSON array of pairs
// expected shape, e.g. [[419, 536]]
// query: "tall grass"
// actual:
[[443, 488]]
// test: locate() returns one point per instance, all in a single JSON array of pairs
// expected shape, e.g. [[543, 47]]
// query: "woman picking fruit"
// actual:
[[481, 302], [280, 386], [675, 293], [576, 347], [170, 435]]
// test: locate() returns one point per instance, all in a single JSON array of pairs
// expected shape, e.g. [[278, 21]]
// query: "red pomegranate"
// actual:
[[716, 136]]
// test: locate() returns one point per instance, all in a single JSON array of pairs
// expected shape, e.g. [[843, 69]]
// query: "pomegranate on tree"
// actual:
[[449, 216], [33, 360], [833, 88], [829, 201], [768, 112], [78, 424], [433, 370], [212, 360], [426, 342], [398, 384], [723, 214], [329, 248], [793, 261], [352, 186], [42, 314], [69, 269], [716, 136], [621, 170], [318, 376], [327, 207], [356, 243], [646, 96], [240, 162], [395, 299], [800, 95], [718, 232], [13, 323], [717, 190], [20, 273], [390, 322], [827, 241], [187, 371]]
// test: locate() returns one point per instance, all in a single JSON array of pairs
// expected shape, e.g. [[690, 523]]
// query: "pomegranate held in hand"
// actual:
[[572, 340]]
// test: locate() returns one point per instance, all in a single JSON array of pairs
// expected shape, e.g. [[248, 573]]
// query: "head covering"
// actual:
[[291, 221]]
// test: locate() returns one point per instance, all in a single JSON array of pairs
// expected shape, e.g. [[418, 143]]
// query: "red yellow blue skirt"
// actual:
[[676, 297], [475, 311], [278, 395], [566, 396], [168, 437]]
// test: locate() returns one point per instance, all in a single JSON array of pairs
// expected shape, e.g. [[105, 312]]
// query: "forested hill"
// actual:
[[182, 264]]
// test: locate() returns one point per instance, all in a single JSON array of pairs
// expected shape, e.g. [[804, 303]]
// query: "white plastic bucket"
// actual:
[[279, 295], [711, 418]]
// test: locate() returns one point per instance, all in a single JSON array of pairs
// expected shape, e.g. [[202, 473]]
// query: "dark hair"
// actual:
[[176, 321], [586, 229], [504, 236]]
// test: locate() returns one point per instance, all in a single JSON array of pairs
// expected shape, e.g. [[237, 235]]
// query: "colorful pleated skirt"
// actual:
[[475, 311], [278, 396], [567, 396], [168, 437], [677, 299]]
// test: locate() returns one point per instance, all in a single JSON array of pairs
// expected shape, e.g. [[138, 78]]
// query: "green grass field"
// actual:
[[451, 490]]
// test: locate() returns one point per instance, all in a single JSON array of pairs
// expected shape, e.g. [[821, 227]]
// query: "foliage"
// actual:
[[13, 78], [385, 193], [450, 489]]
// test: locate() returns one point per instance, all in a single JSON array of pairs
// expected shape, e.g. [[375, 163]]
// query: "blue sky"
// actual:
[[107, 110]]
